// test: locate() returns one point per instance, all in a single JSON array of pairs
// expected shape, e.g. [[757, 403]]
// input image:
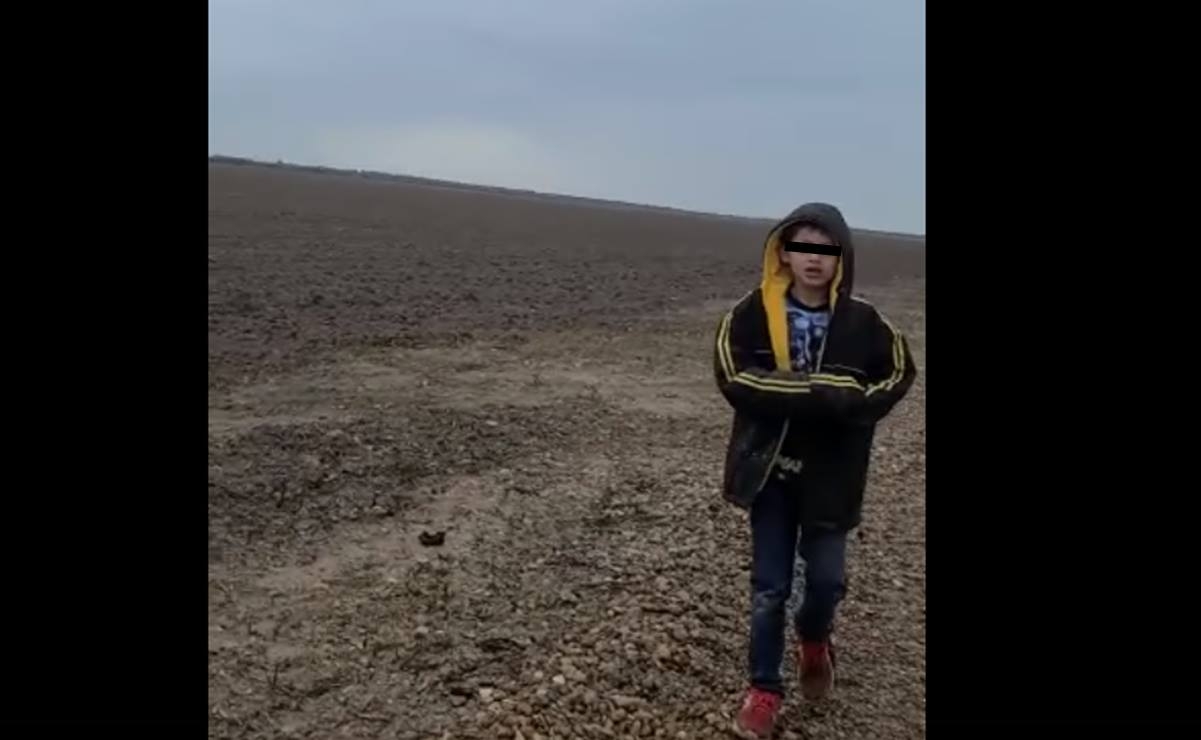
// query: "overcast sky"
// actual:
[[736, 106]]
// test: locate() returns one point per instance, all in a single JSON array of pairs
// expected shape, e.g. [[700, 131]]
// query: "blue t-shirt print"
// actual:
[[806, 332]]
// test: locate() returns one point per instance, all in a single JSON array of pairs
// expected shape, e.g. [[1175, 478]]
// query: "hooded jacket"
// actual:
[[825, 419]]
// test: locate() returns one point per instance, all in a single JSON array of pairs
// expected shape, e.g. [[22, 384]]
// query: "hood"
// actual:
[[777, 277]]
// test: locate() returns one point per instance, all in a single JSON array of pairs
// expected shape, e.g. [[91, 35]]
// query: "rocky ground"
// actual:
[[391, 362]]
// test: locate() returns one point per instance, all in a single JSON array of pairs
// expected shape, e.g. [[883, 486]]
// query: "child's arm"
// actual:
[[753, 389], [890, 376]]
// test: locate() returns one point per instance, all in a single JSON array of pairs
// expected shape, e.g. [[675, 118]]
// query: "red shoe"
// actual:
[[758, 714], [815, 661]]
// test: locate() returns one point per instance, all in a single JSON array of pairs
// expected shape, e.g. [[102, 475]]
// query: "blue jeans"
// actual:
[[775, 525]]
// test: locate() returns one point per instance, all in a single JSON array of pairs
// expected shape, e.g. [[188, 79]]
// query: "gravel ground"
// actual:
[[590, 583]]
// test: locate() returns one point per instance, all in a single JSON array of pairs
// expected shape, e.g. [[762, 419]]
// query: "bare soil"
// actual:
[[534, 379]]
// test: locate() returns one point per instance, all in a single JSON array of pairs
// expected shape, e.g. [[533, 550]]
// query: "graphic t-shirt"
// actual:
[[806, 332]]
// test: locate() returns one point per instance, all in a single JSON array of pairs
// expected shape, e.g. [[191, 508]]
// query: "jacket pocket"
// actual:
[[748, 459]]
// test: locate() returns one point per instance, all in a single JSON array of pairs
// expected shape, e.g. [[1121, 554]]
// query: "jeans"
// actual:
[[775, 527]]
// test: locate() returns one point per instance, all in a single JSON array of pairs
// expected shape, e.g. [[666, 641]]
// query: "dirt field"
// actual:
[[535, 379]]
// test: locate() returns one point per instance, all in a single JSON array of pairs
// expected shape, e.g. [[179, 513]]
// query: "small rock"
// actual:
[[458, 700], [663, 652], [421, 630], [265, 628], [559, 679], [432, 539], [486, 695]]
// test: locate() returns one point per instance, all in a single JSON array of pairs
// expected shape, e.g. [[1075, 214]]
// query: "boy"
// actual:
[[809, 370]]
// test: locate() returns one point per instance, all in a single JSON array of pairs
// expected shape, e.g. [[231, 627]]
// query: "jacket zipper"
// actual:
[[817, 366]]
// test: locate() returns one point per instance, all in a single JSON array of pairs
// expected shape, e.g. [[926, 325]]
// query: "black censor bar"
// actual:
[[831, 249]]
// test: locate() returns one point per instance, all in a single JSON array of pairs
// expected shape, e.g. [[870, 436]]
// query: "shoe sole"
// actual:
[[809, 691], [742, 732], [816, 693]]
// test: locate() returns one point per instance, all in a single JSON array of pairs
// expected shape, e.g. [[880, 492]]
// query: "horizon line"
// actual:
[[507, 190]]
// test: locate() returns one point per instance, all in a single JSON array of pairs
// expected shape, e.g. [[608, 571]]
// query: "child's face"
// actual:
[[810, 270]]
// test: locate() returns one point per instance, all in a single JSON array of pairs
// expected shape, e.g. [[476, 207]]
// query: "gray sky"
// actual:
[[748, 107]]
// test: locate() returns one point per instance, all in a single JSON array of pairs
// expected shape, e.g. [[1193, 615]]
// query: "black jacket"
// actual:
[[825, 419]]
